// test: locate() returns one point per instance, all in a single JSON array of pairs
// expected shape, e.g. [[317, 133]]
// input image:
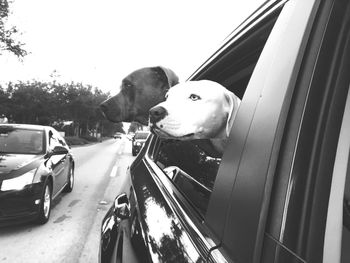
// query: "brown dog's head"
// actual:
[[140, 91]]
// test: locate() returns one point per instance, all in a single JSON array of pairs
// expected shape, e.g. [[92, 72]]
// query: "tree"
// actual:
[[7, 34], [31, 103], [73, 107], [4, 102]]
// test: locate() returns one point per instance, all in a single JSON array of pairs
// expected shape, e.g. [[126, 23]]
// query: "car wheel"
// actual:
[[133, 153], [70, 182], [45, 205]]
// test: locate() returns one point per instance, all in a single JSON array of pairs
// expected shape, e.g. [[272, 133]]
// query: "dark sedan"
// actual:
[[35, 166], [138, 141], [280, 192]]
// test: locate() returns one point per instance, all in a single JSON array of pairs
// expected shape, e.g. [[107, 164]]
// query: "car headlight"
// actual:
[[19, 182], [138, 144]]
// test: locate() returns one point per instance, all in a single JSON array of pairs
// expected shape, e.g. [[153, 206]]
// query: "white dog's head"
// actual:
[[195, 110]]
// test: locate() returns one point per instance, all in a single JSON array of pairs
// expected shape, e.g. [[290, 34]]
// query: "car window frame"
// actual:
[[164, 179], [185, 174]]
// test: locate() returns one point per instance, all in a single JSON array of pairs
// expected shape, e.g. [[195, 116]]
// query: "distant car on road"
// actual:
[[117, 135], [138, 140], [35, 166]]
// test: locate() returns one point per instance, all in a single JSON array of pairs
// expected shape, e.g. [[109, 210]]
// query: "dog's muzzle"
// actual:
[[157, 113]]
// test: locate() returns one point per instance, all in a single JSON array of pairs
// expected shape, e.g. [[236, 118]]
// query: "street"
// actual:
[[72, 233]]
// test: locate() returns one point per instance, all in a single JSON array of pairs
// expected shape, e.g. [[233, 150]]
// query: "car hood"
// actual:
[[13, 162]]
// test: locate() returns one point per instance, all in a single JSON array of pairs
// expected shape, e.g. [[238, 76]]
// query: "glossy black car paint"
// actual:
[[138, 141], [147, 222], [17, 206], [269, 202]]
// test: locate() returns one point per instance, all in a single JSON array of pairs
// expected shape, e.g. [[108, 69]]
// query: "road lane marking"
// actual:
[[114, 170]]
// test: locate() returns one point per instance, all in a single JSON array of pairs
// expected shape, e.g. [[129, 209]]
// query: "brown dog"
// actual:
[[140, 91]]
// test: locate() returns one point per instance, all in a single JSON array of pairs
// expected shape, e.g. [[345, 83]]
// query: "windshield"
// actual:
[[141, 135], [21, 141]]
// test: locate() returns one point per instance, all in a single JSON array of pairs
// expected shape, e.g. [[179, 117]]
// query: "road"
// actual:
[[72, 233]]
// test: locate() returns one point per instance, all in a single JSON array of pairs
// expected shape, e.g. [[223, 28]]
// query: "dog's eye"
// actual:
[[194, 97]]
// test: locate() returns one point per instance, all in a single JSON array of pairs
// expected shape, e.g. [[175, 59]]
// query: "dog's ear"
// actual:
[[233, 104], [172, 78]]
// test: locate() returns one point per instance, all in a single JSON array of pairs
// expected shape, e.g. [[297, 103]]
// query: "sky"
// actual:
[[100, 42]]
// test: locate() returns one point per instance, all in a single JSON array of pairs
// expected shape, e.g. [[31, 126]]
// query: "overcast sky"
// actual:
[[100, 42]]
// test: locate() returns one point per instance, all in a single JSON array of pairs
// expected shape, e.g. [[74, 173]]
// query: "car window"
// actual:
[[21, 141], [192, 166]]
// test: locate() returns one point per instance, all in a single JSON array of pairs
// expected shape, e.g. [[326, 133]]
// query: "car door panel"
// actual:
[[267, 100], [59, 164], [183, 221]]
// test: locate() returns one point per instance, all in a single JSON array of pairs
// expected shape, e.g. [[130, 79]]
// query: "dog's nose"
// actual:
[[157, 113]]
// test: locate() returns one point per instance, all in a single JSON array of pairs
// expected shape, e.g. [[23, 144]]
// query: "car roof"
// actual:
[[26, 126]]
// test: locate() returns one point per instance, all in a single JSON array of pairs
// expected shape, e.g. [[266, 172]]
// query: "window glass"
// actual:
[[20, 141], [192, 166]]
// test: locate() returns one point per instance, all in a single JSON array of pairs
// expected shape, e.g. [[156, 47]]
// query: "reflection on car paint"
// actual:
[[167, 239]]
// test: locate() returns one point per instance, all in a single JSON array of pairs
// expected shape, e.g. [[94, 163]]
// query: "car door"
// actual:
[[67, 156], [277, 169], [58, 162]]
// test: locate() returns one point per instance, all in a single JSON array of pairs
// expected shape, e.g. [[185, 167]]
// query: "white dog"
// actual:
[[195, 110]]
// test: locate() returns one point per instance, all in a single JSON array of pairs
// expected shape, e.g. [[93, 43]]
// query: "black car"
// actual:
[[138, 141], [35, 166], [281, 190]]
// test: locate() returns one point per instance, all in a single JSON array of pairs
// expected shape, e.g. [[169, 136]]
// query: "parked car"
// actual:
[[137, 141], [281, 190], [35, 166]]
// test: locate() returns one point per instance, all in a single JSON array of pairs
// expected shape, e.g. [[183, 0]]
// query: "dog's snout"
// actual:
[[157, 113]]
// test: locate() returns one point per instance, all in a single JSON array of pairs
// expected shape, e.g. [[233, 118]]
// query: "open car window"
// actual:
[[192, 166]]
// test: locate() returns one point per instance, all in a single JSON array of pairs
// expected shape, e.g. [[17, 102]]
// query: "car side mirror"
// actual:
[[59, 150], [121, 207], [171, 171]]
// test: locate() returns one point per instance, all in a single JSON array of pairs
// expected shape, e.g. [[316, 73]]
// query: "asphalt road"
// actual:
[[72, 233]]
